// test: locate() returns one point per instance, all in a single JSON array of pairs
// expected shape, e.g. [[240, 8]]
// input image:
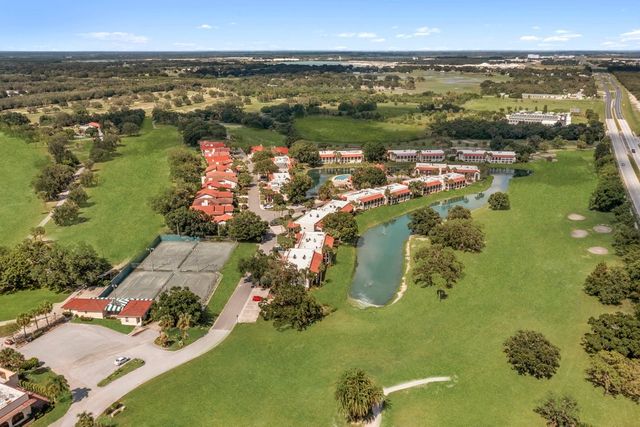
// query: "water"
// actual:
[[381, 249], [320, 176]]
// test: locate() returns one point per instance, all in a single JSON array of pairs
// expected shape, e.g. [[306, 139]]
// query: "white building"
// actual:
[[308, 254], [416, 155], [368, 198], [311, 220], [283, 163], [341, 156], [486, 156], [547, 119], [471, 172], [277, 180]]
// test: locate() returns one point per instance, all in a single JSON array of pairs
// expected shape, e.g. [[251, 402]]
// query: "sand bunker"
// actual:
[[576, 217], [598, 250], [601, 228], [579, 234]]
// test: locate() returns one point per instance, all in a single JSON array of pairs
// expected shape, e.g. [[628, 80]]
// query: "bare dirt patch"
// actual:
[[576, 217], [601, 228], [579, 234], [598, 250]]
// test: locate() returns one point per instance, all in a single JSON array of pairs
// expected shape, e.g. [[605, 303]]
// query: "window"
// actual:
[[17, 418]]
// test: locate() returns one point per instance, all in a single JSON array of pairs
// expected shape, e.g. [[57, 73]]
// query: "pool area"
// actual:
[[341, 180], [380, 250], [320, 176]]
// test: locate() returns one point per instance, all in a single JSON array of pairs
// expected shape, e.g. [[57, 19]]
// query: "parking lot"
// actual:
[[84, 354]]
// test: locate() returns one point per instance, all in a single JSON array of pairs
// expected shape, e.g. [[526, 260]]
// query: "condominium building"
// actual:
[[547, 119], [312, 220], [416, 155], [368, 198], [341, 156], [471, 172], [485, 156]]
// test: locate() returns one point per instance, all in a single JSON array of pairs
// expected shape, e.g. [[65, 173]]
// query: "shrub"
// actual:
[[357, 394], [460, 234], [499, 201], [559, 411], [423, 220]]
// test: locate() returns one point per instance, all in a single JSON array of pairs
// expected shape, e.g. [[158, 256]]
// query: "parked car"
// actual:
[[121, 360]]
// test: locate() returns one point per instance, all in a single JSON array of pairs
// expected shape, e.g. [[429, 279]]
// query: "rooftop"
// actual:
[[136, 308], [94, 305], [312, 240], [9, 395]]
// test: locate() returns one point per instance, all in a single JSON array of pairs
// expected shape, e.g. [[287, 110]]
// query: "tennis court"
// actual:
[[193, 265]]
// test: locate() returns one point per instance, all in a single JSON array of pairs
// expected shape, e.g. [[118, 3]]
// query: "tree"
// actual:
[[172, 198], [190, 222], [616, 374], [57, 387], [296, 189], [357, 394], [608, 194], [129, 128], [246, 226], [305, 152], [256, 265], [85, 419], [86, 178], [342, 226], [326, 190], [499, 201], [610, 285], [44, 309], [199, 129], [436, 264], [368, 176], [459, 212], [77, 194], [614, 332], [66, 213], [23, 320], [177, 302], [11, 359], [374, 151], [184, 323], [459, 234], [57, 147], [530, 353], [292, 306], [423, 220], [264, 167], [559, 411], [185, 166], [53, 180]]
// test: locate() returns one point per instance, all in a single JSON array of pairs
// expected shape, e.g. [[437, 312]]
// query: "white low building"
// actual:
[[311, 220], [547, 119], [341, 156], [416, 155], [368, 198]]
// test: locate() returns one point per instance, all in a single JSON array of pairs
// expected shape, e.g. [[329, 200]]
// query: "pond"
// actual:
[[380, 252], [320, 176]]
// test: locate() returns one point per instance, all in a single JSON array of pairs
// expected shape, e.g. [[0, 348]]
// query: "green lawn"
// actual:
[[123, 370], [193, 335], [113, 324], [230, 278], [452, 81], [244, 137], [11, 305], [530, 275], [20, 209], [491, 103], [41, 376], [345, 130], [119, 221]]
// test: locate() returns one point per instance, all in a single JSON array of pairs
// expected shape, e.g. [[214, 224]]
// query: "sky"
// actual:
[[245, 25]]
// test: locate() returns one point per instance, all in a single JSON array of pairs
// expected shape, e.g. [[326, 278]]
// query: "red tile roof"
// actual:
[[214, 193], [257, 148], [371, 198], [347, 208], [93, 124], [316, 262], [93, 305], [401, 192], [329, 240], [222, 218], [136, 308], [281, 150], [211, 144]]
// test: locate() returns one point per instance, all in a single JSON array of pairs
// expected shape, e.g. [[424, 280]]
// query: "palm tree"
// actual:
[[23, 320], [45, 308], [166, 322], [85, 419], [184, 323], [357, 395], [57, 386], [34, 315]]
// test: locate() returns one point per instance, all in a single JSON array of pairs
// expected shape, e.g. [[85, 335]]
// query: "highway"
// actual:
[[623, 140]]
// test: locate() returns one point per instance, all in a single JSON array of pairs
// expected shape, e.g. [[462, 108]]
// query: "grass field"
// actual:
[[491, 103], [11, 305], [119, 221], [530, 275], [245, 137], [20, 209], [113, 324], [457, 82], [42, 376], [230, 278], [123, 370], [345, 130]]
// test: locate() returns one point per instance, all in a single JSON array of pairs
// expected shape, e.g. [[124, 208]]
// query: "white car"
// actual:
[[121, 360]]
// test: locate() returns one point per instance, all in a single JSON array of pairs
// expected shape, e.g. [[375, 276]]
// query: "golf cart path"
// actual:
[[377, 411]]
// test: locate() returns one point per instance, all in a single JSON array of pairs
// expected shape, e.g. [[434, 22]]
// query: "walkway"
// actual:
[[377, 411], [158, 361], [62, 199]]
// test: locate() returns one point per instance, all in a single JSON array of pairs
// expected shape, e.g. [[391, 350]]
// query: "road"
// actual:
[[623, 140], [89, 397]]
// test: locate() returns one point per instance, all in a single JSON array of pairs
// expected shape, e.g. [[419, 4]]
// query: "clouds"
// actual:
[[205, 27], [633, 35], [419, 32], [626, 39], [116, 36], [559, 36], [361, 35]]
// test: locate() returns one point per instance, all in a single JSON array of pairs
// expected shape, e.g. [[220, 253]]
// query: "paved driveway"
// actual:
[[84, 353]]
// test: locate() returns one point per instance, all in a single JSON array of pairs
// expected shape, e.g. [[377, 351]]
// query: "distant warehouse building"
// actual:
[[547, 119]]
